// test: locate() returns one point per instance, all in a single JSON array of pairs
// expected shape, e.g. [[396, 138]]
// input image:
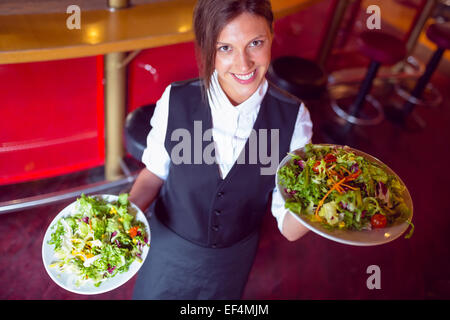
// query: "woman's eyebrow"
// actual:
[[260, 36]]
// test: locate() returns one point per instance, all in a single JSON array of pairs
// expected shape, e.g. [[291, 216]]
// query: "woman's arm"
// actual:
[[289, 226], [292, 228], [155, 157], [145, 189]]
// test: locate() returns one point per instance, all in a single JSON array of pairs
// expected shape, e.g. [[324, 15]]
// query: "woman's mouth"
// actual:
[[245, 78]]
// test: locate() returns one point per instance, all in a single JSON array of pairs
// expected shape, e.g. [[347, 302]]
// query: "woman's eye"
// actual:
[[256, 43], [224, 48]]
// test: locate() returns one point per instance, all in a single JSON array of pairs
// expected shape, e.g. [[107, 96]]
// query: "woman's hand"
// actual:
[[292, 228]]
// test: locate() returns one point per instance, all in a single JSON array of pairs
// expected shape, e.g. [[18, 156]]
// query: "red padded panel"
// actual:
[[51, 118]]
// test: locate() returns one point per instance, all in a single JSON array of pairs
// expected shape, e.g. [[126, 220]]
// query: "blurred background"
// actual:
[[71, 99]]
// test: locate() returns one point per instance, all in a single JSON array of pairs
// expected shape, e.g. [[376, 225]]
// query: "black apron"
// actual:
[[177, 269]]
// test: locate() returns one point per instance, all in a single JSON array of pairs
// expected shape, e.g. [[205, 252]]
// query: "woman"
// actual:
[[206, 216]]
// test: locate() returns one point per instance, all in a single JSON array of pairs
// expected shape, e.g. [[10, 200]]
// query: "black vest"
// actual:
[[195, 202]]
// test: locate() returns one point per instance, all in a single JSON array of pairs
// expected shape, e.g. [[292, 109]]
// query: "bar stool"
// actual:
[[301, 77], [380, 48], [439, 33], [137, 127]]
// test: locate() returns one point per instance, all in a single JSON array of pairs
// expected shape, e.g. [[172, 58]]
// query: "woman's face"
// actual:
[[243, 56]]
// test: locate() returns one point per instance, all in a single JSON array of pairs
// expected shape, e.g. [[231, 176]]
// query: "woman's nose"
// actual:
[[244, 62]]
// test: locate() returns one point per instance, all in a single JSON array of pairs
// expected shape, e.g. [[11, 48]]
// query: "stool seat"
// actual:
[[382, 47], [439, 33], [301, 77], [137, 127]]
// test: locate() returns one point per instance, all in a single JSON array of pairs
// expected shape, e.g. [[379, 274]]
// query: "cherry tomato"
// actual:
[[315, 166], [378, 220], [329, 158]]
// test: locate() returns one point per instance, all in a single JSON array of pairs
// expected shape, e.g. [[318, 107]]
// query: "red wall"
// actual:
[[51, 118]]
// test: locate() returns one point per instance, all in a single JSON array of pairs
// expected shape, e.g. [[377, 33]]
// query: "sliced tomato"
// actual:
[[378, 220], [315, 166], [329, 158]]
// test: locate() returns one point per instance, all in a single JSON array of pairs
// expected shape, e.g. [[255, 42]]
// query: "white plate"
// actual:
[[351, 237], [67, 280]]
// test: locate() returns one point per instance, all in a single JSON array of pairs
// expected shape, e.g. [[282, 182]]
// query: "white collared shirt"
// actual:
[[232, 126]]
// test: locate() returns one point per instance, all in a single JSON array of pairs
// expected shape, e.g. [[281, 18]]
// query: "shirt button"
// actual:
[[215, 228], [217, 212], [220, 194]]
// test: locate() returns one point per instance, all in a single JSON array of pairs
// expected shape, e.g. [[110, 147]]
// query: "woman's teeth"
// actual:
[[244, 76]]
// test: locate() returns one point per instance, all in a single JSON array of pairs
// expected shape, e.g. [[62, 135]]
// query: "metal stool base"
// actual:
[[411, 122], [431, 97], [360, 121]]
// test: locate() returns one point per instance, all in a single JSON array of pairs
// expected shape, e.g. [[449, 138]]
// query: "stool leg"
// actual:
[[423, 80], [364, 89]]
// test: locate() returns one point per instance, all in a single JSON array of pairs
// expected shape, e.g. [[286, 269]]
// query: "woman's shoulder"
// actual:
[[189, 82], [190, 87], [187, 91]]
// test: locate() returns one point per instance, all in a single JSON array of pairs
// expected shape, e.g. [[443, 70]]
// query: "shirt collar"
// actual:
[[219, 100]]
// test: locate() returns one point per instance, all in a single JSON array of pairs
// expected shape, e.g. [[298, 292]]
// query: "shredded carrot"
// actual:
[[350, 187], [331, 177], [346, 170], [338, 188], [355, 175], [327, 194], [336, 174]]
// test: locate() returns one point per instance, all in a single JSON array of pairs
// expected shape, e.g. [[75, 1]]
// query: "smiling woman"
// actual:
[[206, 214]]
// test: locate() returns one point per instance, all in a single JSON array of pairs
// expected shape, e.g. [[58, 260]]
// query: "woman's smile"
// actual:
[[245, 78]]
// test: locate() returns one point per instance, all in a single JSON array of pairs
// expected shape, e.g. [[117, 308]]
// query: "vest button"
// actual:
[[215, 228], [220, 194], [214, 246], [217, 212]]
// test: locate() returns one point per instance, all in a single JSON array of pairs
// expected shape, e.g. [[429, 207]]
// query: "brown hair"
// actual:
[[210, 17]]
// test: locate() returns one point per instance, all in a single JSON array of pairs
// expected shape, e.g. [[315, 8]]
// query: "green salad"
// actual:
[[334, 186], [98, 241]]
